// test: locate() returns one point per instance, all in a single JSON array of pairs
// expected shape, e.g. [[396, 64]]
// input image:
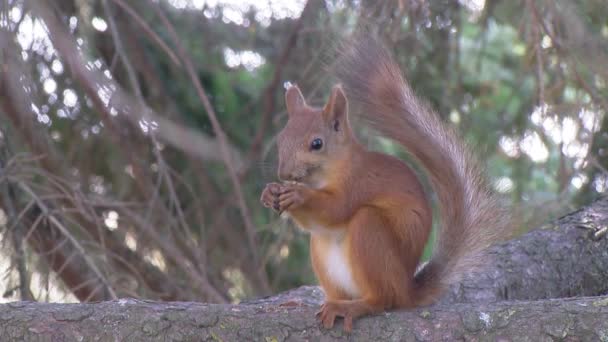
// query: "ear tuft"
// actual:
[[336, 109], [294, 99]]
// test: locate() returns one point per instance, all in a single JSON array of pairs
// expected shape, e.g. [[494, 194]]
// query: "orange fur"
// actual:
[[367, 213]]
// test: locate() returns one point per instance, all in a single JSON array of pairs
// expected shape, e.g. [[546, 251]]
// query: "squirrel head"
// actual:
[[314, 140]]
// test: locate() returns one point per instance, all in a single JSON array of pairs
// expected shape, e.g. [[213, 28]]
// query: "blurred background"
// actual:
[[136, 136]]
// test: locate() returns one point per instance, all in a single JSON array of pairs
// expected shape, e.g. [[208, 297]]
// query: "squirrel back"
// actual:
[[471, 217]]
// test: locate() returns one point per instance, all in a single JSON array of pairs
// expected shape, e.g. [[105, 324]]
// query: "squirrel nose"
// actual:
[[284, 176], [288, 172], [288, 176], [284, 173]]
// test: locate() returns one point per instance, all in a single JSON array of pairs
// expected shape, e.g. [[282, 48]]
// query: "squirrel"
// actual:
[[367, 212]]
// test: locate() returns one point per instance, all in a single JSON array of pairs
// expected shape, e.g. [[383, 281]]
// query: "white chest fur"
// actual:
[[337, 268], [334, 259]]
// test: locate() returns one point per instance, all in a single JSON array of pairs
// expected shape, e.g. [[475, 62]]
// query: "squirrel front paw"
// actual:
[[292, 196], [270, 196]]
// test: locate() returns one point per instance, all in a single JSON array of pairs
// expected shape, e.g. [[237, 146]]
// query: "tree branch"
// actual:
[[149, 31], [21, 117], [565, 258], [93, 82], [583, 319]]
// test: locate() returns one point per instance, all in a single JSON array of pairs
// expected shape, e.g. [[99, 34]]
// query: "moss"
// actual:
[[601, 302], [557, 329], [501, 318], [603, 335], [215, 337]]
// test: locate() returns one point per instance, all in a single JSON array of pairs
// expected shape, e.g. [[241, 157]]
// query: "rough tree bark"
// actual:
[[564, 259], [584, 319]]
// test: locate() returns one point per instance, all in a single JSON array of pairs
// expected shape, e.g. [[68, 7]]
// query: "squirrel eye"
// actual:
[[316, 144]]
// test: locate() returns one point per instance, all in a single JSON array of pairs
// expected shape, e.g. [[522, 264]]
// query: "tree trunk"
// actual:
[[563, 259]]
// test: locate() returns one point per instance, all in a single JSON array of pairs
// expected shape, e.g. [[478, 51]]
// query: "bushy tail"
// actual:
[[471, 218]]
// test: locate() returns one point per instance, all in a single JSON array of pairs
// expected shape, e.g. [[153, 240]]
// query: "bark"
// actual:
[[583, 319], [565, 258]]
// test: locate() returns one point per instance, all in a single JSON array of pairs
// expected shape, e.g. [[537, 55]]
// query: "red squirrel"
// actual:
[[368, 216]]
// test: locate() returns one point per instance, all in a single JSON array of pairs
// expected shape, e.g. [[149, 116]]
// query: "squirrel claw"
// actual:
[[292, 196], [328, 313], [327, 317], [330, 310], [270, 196]]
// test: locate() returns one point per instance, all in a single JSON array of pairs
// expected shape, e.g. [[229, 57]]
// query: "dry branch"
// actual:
[[183, 138], [260, 273], [149, 31], [15, 106]]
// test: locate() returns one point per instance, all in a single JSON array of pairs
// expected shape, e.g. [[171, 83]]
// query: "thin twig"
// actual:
[[16, 232], [269, 92], [221, 137], [17, 106], [179, 258], [149, 31], [538, 54], [162, 165], [68, 235]]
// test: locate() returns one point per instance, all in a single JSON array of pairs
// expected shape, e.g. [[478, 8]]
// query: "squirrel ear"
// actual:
[[294, 99], [336, 109]]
